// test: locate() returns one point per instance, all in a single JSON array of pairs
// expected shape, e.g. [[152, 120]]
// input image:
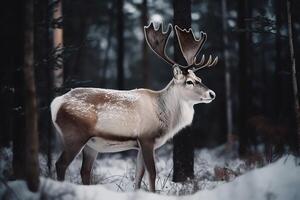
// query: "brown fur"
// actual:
[[72, 119], [68, 118]]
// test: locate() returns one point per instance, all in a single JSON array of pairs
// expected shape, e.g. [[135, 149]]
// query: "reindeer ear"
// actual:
[[177, 73]]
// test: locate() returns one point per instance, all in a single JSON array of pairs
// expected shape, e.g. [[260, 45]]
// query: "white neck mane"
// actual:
[[174, 112]]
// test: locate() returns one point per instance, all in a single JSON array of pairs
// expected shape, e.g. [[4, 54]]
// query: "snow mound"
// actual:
[[280, 181]]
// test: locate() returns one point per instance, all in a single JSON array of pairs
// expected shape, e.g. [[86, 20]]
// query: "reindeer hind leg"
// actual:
[[71, 148], [88, 157]]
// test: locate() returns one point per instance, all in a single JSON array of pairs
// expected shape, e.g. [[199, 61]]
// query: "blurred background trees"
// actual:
[[101, 44]]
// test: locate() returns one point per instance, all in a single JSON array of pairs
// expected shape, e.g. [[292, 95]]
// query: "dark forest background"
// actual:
[[49, 47]]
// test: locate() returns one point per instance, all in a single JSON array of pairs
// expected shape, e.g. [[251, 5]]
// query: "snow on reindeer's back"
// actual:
[[115, 110]]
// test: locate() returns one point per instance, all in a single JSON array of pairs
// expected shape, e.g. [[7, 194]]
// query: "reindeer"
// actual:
[[100, 120]]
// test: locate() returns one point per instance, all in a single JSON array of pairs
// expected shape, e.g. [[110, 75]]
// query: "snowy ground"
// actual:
[[116, 172], [114, 176]]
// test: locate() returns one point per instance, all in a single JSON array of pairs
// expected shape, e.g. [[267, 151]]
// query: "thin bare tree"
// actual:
[[294, 72], [109, 38], [279, 66], [244, 13], [120, 38], [227, 78], [58, 68], [31, 117], [145, 64]]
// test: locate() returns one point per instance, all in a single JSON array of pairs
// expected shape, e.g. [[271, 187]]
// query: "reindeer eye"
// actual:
[[197, 82], [190, 83]]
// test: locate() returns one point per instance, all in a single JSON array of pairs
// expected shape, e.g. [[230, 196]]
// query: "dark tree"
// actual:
[[279, 68], [183, 153], [244, 65], [227, 78], [294, 71], [43, 76], [31, 118], [145, 65], [58, 68], [17, 39], [120, 50], [11, 37], [109, 38]]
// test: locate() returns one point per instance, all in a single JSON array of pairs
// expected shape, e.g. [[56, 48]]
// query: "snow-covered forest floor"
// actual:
[[215, 178]]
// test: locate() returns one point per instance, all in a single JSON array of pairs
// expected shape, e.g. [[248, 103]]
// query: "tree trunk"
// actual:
[[120, 38], [19, 160], [82, 32], [145, 65], [109, 42], [243, 67], [264, 79], [183, 153], [294, 76], [31, 118], [49, 95], [11, 36], [43, 80], [278, 80], [227, 79], [58, 68]]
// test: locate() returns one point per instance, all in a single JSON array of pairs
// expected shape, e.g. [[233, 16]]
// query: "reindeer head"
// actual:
[[189, 85]]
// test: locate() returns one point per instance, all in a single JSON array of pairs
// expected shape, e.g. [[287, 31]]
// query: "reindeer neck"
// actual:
[[168, 97], [172, 108]]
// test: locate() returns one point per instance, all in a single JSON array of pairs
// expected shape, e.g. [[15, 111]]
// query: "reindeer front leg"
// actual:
[[140, 170], [147, 148]]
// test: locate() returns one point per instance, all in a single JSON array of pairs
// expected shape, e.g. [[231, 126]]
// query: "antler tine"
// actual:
[[157, 40], [209, 63], [201, 61]]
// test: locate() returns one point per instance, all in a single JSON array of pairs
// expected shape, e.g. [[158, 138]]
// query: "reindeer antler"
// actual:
[[190, 48], [157, 40]]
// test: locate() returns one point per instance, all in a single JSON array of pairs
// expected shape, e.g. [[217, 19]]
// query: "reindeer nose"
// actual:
[[212, 94]]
